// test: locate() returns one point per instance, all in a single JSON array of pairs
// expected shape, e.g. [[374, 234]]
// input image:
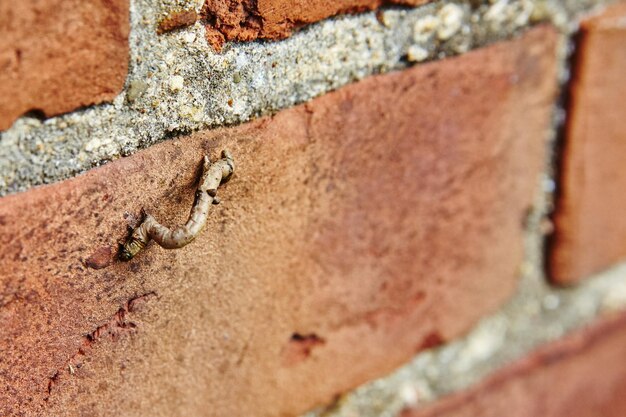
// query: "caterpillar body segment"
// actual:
[[216, 173], [213, 175]]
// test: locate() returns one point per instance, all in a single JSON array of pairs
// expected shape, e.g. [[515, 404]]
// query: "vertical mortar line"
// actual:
[[562, 120]]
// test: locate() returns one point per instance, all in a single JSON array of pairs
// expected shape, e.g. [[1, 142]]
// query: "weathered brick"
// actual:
[[245, 20], [583, 375], [58, 55], [590, 233], [360, 228]]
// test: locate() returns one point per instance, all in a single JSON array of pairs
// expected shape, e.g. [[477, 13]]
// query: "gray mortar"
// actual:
[[177, 84]]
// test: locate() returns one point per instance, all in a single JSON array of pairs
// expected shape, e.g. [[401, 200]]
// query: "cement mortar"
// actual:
[[177, 83]]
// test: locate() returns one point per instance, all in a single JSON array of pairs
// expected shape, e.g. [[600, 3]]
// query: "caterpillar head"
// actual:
[[130, 249]]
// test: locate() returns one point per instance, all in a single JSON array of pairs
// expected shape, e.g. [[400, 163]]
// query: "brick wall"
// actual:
[[399, 238]]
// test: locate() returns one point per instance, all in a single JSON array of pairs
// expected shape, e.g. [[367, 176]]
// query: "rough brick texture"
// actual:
[[582, 375], [58, 55], [590, 222], [359, 228], [245, 20]]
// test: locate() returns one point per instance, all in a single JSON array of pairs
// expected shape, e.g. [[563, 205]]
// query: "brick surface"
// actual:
[[583, 375], [245, 20], [58, 55], [590, 224], [359, 228]]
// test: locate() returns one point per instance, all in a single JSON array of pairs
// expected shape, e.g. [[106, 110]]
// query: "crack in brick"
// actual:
[[117, 326]]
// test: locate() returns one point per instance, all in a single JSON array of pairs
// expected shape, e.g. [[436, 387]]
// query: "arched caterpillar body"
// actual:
[[213, 174]]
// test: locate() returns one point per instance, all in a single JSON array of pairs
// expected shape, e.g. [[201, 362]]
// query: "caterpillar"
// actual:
[[213, 174]]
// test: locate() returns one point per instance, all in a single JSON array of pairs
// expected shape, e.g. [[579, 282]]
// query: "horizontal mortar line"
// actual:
[[177, 84], [537, 315]]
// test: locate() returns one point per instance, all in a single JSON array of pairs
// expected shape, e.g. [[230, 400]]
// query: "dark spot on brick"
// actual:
[[101, 258], [35, 114], [431, 340], [300, 347]]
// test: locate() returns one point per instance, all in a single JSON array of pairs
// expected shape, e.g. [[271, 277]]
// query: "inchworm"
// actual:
[[213, 174]]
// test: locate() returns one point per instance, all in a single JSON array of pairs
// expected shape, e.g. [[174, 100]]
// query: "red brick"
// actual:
[[590, 223], [58, 55], [359, 228], [583, 375], [246, 20]]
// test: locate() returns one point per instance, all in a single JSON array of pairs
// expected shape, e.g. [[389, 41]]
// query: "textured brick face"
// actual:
[[359, 228], [245, 20], [590, 222], [58, 55], [582, 375]]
